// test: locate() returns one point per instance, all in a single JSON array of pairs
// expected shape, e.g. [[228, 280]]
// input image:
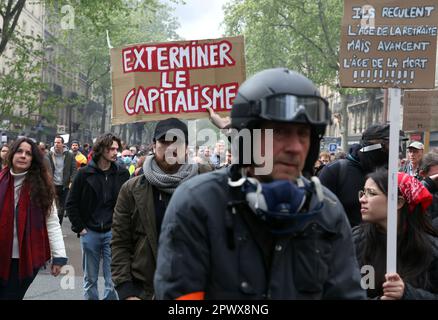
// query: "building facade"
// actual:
[[81, 119]]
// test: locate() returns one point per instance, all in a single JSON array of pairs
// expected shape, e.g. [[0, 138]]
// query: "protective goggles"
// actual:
[[288, 107]]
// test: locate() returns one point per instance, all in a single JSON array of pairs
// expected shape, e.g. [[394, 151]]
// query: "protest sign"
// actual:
[[420, 110], [389, 43], [155, 81]]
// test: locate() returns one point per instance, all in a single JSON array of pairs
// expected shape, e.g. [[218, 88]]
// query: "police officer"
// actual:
[[244, 232]]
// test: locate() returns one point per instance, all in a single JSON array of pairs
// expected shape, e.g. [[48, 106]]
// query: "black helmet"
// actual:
[[282, 95]]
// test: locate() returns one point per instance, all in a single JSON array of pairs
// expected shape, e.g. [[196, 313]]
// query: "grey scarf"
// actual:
[[164, 181]]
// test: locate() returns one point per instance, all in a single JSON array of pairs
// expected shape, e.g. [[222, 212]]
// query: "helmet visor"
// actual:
[[287, 107]]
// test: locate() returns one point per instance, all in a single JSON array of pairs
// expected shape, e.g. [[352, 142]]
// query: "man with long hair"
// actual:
[[90, 206]]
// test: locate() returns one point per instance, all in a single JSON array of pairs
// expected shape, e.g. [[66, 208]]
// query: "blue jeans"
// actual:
[[94, 246]]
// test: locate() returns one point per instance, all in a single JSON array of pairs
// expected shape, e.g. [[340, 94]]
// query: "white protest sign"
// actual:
[[66, 137]]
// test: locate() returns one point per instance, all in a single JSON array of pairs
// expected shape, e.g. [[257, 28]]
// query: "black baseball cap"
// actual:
[[379, 132], [173, 126], [376, 132]]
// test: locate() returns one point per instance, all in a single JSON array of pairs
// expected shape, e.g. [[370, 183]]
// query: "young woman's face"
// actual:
[[22, 159], [373, 204]]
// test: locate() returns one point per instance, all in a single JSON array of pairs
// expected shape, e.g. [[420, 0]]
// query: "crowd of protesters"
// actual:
[[206, 225]]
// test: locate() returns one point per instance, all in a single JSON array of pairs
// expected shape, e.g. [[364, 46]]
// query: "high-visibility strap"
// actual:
[[193, 296]]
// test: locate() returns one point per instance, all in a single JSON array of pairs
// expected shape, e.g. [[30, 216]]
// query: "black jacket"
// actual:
[[433, 189], [93, 195], [411, 292], [315, 262], [345, 178]]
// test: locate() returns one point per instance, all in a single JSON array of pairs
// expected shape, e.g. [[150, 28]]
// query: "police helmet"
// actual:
[[282, 95]]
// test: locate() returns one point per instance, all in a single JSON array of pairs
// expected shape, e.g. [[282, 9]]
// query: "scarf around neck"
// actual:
[[164, 181], [33, 240]]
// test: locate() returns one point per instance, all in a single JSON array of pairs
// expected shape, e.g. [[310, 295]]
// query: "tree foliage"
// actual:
[[80, 48], [85, 47], [299, 34], [10, 11]]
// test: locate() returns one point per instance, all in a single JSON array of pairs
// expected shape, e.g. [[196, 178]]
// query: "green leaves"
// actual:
[[76, 47], [299, 34], [21, 85]]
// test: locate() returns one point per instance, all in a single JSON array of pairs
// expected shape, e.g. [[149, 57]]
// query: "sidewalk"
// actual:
[[47, 287]]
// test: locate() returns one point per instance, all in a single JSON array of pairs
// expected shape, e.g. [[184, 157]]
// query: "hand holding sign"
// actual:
[[393, 288], [218, 121]]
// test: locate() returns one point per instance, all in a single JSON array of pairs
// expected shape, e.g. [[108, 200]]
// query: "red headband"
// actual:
[[413, 192]]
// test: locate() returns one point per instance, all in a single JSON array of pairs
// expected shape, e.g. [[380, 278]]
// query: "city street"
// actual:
[[67, 286]]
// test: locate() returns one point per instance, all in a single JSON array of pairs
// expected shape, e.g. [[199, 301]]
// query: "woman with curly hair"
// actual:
[[30, 233], [417, 242]]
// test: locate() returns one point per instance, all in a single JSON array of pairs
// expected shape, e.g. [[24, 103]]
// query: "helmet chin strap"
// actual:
[[318, 188], [239, 182], [281, 204]]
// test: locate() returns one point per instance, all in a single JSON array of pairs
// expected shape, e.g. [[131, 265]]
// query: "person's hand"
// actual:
[[83, 232], [434, 177], [393, 288], [55, 270], [136, 171], [133, 298], [218, 121]]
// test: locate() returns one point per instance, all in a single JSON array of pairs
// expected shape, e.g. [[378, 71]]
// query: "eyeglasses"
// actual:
[[368, 193]]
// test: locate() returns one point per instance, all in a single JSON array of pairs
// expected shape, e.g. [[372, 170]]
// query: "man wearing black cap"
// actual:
[[347, 176], [140, 210]]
